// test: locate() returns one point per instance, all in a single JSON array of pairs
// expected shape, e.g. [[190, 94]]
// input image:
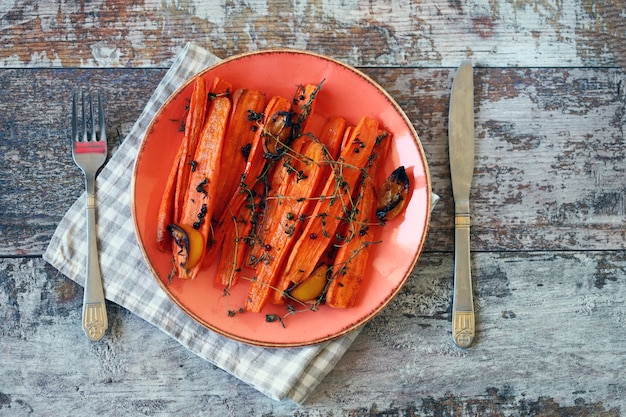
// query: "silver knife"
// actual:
[[461, 149]]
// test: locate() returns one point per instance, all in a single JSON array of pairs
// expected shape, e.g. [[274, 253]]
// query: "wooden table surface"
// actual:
[[548, 201]]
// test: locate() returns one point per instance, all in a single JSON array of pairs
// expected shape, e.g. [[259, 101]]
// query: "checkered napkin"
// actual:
[[287, 373]]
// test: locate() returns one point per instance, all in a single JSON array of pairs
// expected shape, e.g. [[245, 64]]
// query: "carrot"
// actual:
[[285, 223], [193, 126], [165, 215], [331, 139], [170, 206], [234, 247], [275, 185], [247, 104], [273, 125], [199, 202], [351, 260], [303, 106], [335, 198]]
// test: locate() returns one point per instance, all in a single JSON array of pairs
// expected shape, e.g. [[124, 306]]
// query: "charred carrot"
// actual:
[[165, 216], [193, 126], [303, 107], [248, 105], [286, 220], [279, 239], [335, 198], [169, 210], [351, 260], [199, 203], [234, 247], [274, 125]]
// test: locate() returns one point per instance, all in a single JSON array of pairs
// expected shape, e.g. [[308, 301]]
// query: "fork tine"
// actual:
[[74, 118], [103, 133], [84, 118], [93, 118]]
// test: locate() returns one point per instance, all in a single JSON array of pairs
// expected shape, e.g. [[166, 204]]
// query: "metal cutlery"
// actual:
[[89, 150], [461, 151]]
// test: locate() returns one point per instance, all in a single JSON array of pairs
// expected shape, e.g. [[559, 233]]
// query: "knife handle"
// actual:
[[463, 326]]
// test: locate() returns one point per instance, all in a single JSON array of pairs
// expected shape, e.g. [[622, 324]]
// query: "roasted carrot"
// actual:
[[273, 125], [275, 185], [234, 247], [199, 202], [331, 139], [303, 107], [165, 216], [286, 220], [296, 162], [193, 126], [333, 202], [247, 106], [169, 210], [351, 260]]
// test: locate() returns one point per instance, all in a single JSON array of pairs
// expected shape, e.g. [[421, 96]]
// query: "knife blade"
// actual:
[[461, 152]]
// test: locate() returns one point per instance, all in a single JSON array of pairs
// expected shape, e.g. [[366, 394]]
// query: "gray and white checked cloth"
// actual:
[[288, 373]]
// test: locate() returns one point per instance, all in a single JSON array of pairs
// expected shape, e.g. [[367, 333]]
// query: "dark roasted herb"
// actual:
[[200, 187], [254, 116], [270, 318], [245, 150], [290, 230]]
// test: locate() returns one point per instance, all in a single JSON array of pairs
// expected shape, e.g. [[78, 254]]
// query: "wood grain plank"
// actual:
[[546, 346], [149, 33], [39, 180], [550, 154]]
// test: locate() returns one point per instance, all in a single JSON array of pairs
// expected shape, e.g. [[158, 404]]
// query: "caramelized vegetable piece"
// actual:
[[234, 247], [189, 243], [329, 210], [176, 185], [351, 260], [166, 209], [252, 173], [303, 106], [199, 202], [393, 195], [285, 224], [193, 127], [278, 128], [247, 104], [311, 287]]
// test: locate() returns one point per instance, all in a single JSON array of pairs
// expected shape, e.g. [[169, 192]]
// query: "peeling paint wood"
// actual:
[[549, 342], [550, 163], [548, 205], [149, 33]]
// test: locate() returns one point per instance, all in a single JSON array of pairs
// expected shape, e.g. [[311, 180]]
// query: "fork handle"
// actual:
[[95, 320]]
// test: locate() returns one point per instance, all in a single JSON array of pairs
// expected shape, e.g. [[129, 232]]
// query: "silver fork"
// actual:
[[89, 151]]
